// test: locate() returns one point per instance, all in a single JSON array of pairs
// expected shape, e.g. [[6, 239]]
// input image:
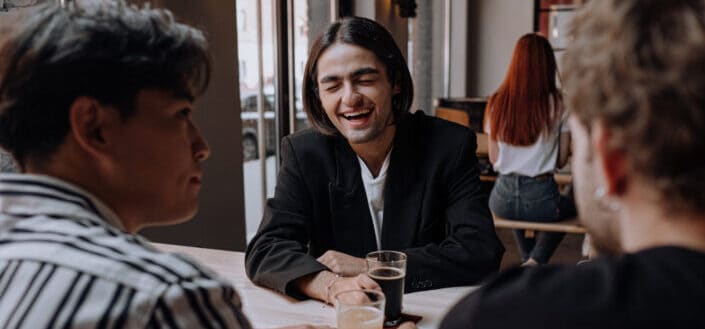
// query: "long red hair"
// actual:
[[520, 110]]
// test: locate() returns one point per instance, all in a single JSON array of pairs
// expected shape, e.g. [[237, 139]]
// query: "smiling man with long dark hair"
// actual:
[[371, 175]]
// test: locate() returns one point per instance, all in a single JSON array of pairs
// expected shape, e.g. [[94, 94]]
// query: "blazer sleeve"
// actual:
[[278, 254], [471, 250]]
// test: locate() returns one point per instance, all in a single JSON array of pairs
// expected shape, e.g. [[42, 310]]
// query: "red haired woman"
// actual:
[[528, 139]]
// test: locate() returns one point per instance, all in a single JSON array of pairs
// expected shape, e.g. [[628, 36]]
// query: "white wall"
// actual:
[[364, 8], [220, 222], [483, 34], [437, 74], [384, 13], [459, 48], [499, 25]]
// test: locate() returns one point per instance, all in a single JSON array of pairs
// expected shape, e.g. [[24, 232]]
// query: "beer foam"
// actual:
[[361, 318], [399, 274]]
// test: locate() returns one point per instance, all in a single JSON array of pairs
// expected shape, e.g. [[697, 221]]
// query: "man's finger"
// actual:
[[407, 325], [367, 283], [323, 257]]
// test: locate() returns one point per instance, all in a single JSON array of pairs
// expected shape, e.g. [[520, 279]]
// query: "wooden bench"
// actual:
[[565, 226], [561, 179]]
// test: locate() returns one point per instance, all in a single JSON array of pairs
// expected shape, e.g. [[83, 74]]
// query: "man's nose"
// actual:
[[201, 150], [351, 97]]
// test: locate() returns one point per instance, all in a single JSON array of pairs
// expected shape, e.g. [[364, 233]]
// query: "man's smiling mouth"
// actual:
[[357, 114]]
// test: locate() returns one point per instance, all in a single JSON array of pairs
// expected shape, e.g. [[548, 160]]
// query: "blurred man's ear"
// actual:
[[396, 89], [89, 122], [611, 160]]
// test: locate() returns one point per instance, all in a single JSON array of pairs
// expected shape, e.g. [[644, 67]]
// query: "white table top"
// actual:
[[268, 309]]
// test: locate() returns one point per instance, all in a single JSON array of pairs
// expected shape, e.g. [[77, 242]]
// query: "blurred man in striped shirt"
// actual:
[[95, 107]]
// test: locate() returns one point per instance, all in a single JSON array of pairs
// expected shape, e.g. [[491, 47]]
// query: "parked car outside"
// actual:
[[7, 163], [249, 116]]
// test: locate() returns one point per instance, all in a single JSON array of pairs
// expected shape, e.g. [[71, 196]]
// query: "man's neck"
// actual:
[[81, 172], [647, 224], [374, 152]]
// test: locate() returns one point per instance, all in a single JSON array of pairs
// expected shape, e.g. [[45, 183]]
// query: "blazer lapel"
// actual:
[[403, 191], [350, 214]]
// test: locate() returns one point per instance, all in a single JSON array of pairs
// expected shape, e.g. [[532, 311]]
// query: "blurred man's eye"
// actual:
[[185, 113], [331, 87]]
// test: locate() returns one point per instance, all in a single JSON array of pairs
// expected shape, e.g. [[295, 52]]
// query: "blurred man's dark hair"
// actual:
[[108, 52]]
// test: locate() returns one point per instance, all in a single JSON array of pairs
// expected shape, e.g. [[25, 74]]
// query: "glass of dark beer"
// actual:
[[388, 269]]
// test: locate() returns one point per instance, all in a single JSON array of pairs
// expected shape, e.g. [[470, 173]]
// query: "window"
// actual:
[[241, 21], [258, 24]]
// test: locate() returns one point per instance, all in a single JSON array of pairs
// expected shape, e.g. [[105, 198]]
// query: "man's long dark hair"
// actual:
[[367, 34]]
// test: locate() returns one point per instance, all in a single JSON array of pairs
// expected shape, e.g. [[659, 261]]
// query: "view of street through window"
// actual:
[[308, 17]]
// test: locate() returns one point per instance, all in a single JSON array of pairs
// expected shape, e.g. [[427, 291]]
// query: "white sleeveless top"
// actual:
[[532, 160]]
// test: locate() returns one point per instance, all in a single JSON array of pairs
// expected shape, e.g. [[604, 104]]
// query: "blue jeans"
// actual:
[[534, 199]]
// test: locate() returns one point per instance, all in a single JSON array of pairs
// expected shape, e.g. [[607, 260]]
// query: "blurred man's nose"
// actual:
[[201, 150]]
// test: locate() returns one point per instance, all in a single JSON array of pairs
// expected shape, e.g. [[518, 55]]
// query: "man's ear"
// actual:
[[89, 119], [611, 160], [396, 89], [396, 86]]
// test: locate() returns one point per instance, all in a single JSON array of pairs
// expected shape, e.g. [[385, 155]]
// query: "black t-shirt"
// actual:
[[656, 288]]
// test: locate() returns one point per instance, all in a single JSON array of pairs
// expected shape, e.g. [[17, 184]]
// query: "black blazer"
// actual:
[[433, 208]]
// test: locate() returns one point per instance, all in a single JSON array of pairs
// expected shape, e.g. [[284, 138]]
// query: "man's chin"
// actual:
[[358, 137], [188, 215], [175, 218], [607, 249]]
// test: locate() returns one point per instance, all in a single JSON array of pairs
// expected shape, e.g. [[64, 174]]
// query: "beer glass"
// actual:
[[388, 269], [360, 309]]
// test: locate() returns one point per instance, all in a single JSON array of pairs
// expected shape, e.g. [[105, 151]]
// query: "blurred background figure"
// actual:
[[528, 140], [635, 73]]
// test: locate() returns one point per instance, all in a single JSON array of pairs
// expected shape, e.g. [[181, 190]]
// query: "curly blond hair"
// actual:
[[639, 67]]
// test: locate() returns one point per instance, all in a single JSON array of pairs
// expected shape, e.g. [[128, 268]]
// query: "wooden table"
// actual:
[[268, 309]]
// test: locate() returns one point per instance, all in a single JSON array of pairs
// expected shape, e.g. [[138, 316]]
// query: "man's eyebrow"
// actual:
[[355, 74], [364, 70], [329, 78], [186, 95]]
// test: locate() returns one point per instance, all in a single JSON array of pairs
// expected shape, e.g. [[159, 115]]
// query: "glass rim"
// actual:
[[371, 256], [382, 297]]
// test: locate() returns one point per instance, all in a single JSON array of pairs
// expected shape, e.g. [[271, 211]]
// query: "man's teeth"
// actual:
[[356, 113]]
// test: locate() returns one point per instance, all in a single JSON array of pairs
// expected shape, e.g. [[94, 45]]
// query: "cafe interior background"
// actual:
[[456, 49]]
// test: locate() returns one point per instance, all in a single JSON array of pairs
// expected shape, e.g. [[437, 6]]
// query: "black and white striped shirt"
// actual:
[[66, 263]]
